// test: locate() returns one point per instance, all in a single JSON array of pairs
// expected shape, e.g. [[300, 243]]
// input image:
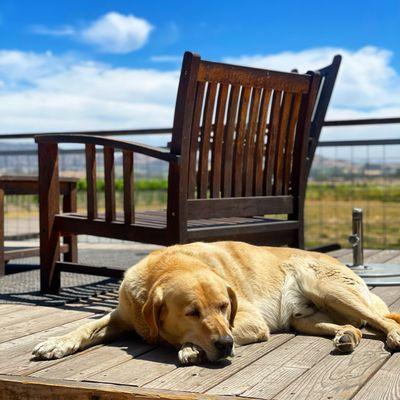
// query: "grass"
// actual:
[[327, 212]]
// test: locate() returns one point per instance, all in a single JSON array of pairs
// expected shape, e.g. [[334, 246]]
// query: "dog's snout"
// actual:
[[224, 345]]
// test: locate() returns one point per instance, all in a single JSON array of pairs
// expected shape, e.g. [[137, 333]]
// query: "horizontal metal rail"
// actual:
[[162, 131], [122, 132], [327, 143], [366, 121], [368, 142]]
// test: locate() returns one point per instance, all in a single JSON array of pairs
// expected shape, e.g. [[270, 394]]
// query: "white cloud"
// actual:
[[367, 85], [42, 92], [366, 80], [117, 33], [45, 92], [111, 33]]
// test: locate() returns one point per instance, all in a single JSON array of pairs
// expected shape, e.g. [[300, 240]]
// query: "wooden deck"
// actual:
[[287, 367]]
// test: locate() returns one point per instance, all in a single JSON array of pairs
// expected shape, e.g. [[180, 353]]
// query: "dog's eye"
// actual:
[[194, 313], [223, 307]]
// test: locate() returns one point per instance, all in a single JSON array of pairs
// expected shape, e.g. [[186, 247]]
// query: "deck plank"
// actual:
[[385, 384], [49, 320], [383, 256], [203, 378], [28, 313], [389, 294], [270, 374], [21, 350], [338, 376], [95, 361], [140, 370], [11, 308], [24, 388]]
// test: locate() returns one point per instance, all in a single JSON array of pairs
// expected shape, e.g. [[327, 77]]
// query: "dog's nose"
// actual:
[[224, 346]]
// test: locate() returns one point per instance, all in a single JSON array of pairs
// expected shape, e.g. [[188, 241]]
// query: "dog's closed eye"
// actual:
[[193, 313]]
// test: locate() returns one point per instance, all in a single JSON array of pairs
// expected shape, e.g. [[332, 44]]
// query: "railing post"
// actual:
[[70, 205], [49, 206]]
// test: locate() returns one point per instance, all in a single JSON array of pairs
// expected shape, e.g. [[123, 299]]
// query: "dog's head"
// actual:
[[192, 306]]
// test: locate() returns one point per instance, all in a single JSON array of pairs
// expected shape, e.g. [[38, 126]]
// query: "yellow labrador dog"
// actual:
[[204, 298]]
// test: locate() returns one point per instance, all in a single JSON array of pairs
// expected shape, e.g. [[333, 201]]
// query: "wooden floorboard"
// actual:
[[385, 384], [95, 361], [140, 370], [270, 374], [202, 378], [287, 367], [46, 320], [338, 376]]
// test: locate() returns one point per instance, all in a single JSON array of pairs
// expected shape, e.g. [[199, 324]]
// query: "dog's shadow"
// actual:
[[159, 354]]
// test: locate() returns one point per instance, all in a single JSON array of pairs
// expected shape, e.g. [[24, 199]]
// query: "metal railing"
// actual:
[[345, 174]]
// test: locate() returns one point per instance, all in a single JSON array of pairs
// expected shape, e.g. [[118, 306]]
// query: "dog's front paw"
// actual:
[[56, 347], [393, 340], [190, 354]]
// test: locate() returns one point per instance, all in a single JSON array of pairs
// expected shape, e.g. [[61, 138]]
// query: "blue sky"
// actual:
[[214, 29], [114, 64]]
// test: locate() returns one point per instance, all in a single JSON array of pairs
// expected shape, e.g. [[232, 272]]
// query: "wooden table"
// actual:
[[25, 185], [289, 366]]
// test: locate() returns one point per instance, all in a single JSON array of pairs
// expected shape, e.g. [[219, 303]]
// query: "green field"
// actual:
[[327, 212]]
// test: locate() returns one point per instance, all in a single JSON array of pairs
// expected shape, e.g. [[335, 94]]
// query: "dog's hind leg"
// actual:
[[90, 334], [346, 337], [336, 297]]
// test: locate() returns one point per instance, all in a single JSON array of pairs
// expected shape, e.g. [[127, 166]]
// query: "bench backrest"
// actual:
[[241, 133]]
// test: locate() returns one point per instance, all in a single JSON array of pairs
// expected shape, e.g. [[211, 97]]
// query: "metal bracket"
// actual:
[[373, 274]]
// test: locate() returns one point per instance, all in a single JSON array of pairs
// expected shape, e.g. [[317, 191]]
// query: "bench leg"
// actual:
[[70, 205], [49, 193], [2, 249]]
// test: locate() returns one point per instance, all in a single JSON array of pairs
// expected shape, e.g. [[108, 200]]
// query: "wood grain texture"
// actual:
[[49, 206], [40, 323], [270, 374], [24, 388], [229, 141], [238, 155], [271, 143], [281, 143], [91, 175], [385, 384], [250, 142], [194, 140], [205, 138], [142, 369], [218, 142], [260, 143], [129, 199], [338, 376], [109, 183], [201, 379], [21, 362], [95, 361]]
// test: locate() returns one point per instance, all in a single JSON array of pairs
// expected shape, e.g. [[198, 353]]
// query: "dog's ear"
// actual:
[[151, 311], [234, 305]]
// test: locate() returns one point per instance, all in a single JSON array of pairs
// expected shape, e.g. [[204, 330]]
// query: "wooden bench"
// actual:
[[25, 185], [238, 155]]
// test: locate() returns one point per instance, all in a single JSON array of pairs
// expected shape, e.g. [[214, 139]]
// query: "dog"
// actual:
[[205, 298]]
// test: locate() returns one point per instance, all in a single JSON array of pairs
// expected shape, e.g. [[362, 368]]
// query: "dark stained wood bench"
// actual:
[[25, 185], [237, 159]]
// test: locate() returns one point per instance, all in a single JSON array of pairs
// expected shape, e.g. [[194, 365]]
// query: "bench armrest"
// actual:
[[151, 151]]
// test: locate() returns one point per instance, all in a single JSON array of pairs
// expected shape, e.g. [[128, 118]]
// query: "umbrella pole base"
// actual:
[[378, 274]]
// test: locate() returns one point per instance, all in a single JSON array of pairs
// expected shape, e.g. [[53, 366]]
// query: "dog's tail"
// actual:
[[394, 316]]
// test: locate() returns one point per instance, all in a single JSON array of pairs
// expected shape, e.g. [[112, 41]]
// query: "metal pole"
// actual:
[[356, 239]]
